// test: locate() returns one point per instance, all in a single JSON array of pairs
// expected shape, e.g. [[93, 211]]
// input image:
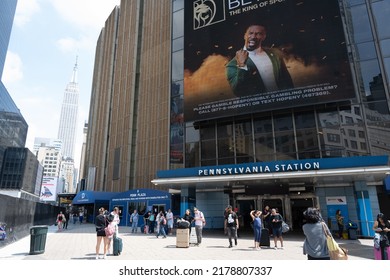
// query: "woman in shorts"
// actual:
[[101, 223]]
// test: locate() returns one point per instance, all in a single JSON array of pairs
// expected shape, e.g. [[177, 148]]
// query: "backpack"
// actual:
[[109, 230], [203, 218], [110, 217]]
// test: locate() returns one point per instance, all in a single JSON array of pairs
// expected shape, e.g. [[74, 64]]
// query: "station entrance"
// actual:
[[290, 207]]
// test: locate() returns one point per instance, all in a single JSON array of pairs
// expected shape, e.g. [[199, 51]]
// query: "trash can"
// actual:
[[352, 230], [38, 239]]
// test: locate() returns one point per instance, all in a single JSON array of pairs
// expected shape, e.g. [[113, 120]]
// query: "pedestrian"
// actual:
[[65, 223], [152, 222], [146, 222], [60, 220], [116, 221], [277, 220], [81, 216], [169, 217], [382, 227], [162, 222], [257, 225], [231, 225], [188, 217], [158, 221], [134, 221], [113, 218], [315, 244], [340, 223], [75, 218], [266, 216], [199, 222], [101, 223]]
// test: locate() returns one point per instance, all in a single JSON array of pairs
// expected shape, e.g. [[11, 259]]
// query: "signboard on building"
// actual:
[[49, 189], [247, 56]]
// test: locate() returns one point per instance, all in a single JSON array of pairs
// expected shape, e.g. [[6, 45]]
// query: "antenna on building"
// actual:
[[74, 74]]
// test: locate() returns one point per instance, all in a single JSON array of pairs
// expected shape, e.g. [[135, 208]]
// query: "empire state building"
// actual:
[[69, 114]]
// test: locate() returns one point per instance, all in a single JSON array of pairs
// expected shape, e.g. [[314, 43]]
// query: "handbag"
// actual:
[[285, 227], [383, 241], [335, 251]]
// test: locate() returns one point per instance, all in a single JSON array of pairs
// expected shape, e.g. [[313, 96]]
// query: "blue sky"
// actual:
[[46, 38]]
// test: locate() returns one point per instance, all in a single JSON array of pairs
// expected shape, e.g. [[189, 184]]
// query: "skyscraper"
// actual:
[[68, 118], [13, 127]]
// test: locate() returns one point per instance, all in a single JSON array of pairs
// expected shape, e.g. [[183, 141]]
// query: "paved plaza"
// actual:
[[78, 243]]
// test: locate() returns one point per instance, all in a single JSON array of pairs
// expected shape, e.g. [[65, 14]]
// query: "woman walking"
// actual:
[[60, 220]]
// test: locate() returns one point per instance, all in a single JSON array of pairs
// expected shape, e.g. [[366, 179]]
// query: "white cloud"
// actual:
[[13, 68], [25, 10], [88, 17], [72, 45], [86, 14]]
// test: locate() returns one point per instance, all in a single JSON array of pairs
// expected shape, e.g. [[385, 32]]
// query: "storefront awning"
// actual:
[[90, 197]]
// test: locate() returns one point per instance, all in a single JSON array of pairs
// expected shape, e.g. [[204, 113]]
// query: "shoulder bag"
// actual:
[[285, 227], [335, 251]]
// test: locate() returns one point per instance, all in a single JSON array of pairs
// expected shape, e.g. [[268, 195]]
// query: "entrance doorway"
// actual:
[[298, 206], [244, 209], [274, 203]]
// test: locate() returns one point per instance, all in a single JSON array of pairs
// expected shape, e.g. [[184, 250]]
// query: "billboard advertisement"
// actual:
[[49, 189], [247, 56]]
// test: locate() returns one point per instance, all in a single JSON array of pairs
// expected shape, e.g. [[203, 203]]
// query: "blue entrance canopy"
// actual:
[[88, 197]]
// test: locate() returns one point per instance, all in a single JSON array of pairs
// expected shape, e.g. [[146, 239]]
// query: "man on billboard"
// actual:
[[256, 69]]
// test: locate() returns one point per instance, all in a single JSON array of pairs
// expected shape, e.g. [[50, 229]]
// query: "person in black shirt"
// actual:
[[231, 225], [65, 225], [189, 218], [101, 223], [382, 226]]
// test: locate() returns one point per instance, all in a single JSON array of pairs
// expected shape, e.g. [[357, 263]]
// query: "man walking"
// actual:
[[231, 225]]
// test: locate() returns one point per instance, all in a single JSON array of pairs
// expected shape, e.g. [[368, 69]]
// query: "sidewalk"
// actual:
[[78, 243]]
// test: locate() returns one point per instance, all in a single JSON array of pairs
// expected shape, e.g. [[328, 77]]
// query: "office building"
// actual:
[[13, 127], [169, 109], [21, 174], [68, 118]]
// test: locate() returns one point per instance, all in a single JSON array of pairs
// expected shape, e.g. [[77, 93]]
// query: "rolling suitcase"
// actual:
[[117, 246], [378, 253], [264, 239]]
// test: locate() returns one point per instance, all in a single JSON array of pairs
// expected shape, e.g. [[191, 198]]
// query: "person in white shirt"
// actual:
[[115, 221], [169, 218], [199, 221], [256, 69]]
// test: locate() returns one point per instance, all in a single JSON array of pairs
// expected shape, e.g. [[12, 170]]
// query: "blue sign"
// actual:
[[141, 194], [276, 166]]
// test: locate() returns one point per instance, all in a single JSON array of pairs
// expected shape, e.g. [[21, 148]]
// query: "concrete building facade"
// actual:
[[163, 114]]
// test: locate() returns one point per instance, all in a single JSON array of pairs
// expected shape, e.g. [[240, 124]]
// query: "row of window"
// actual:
[[298, 135]]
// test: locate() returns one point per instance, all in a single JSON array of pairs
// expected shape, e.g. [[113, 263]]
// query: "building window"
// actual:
[[116, 167], [335, 138]]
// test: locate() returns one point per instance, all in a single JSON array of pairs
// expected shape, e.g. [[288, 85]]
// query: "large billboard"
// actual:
[[246, 56], [49, 189]]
